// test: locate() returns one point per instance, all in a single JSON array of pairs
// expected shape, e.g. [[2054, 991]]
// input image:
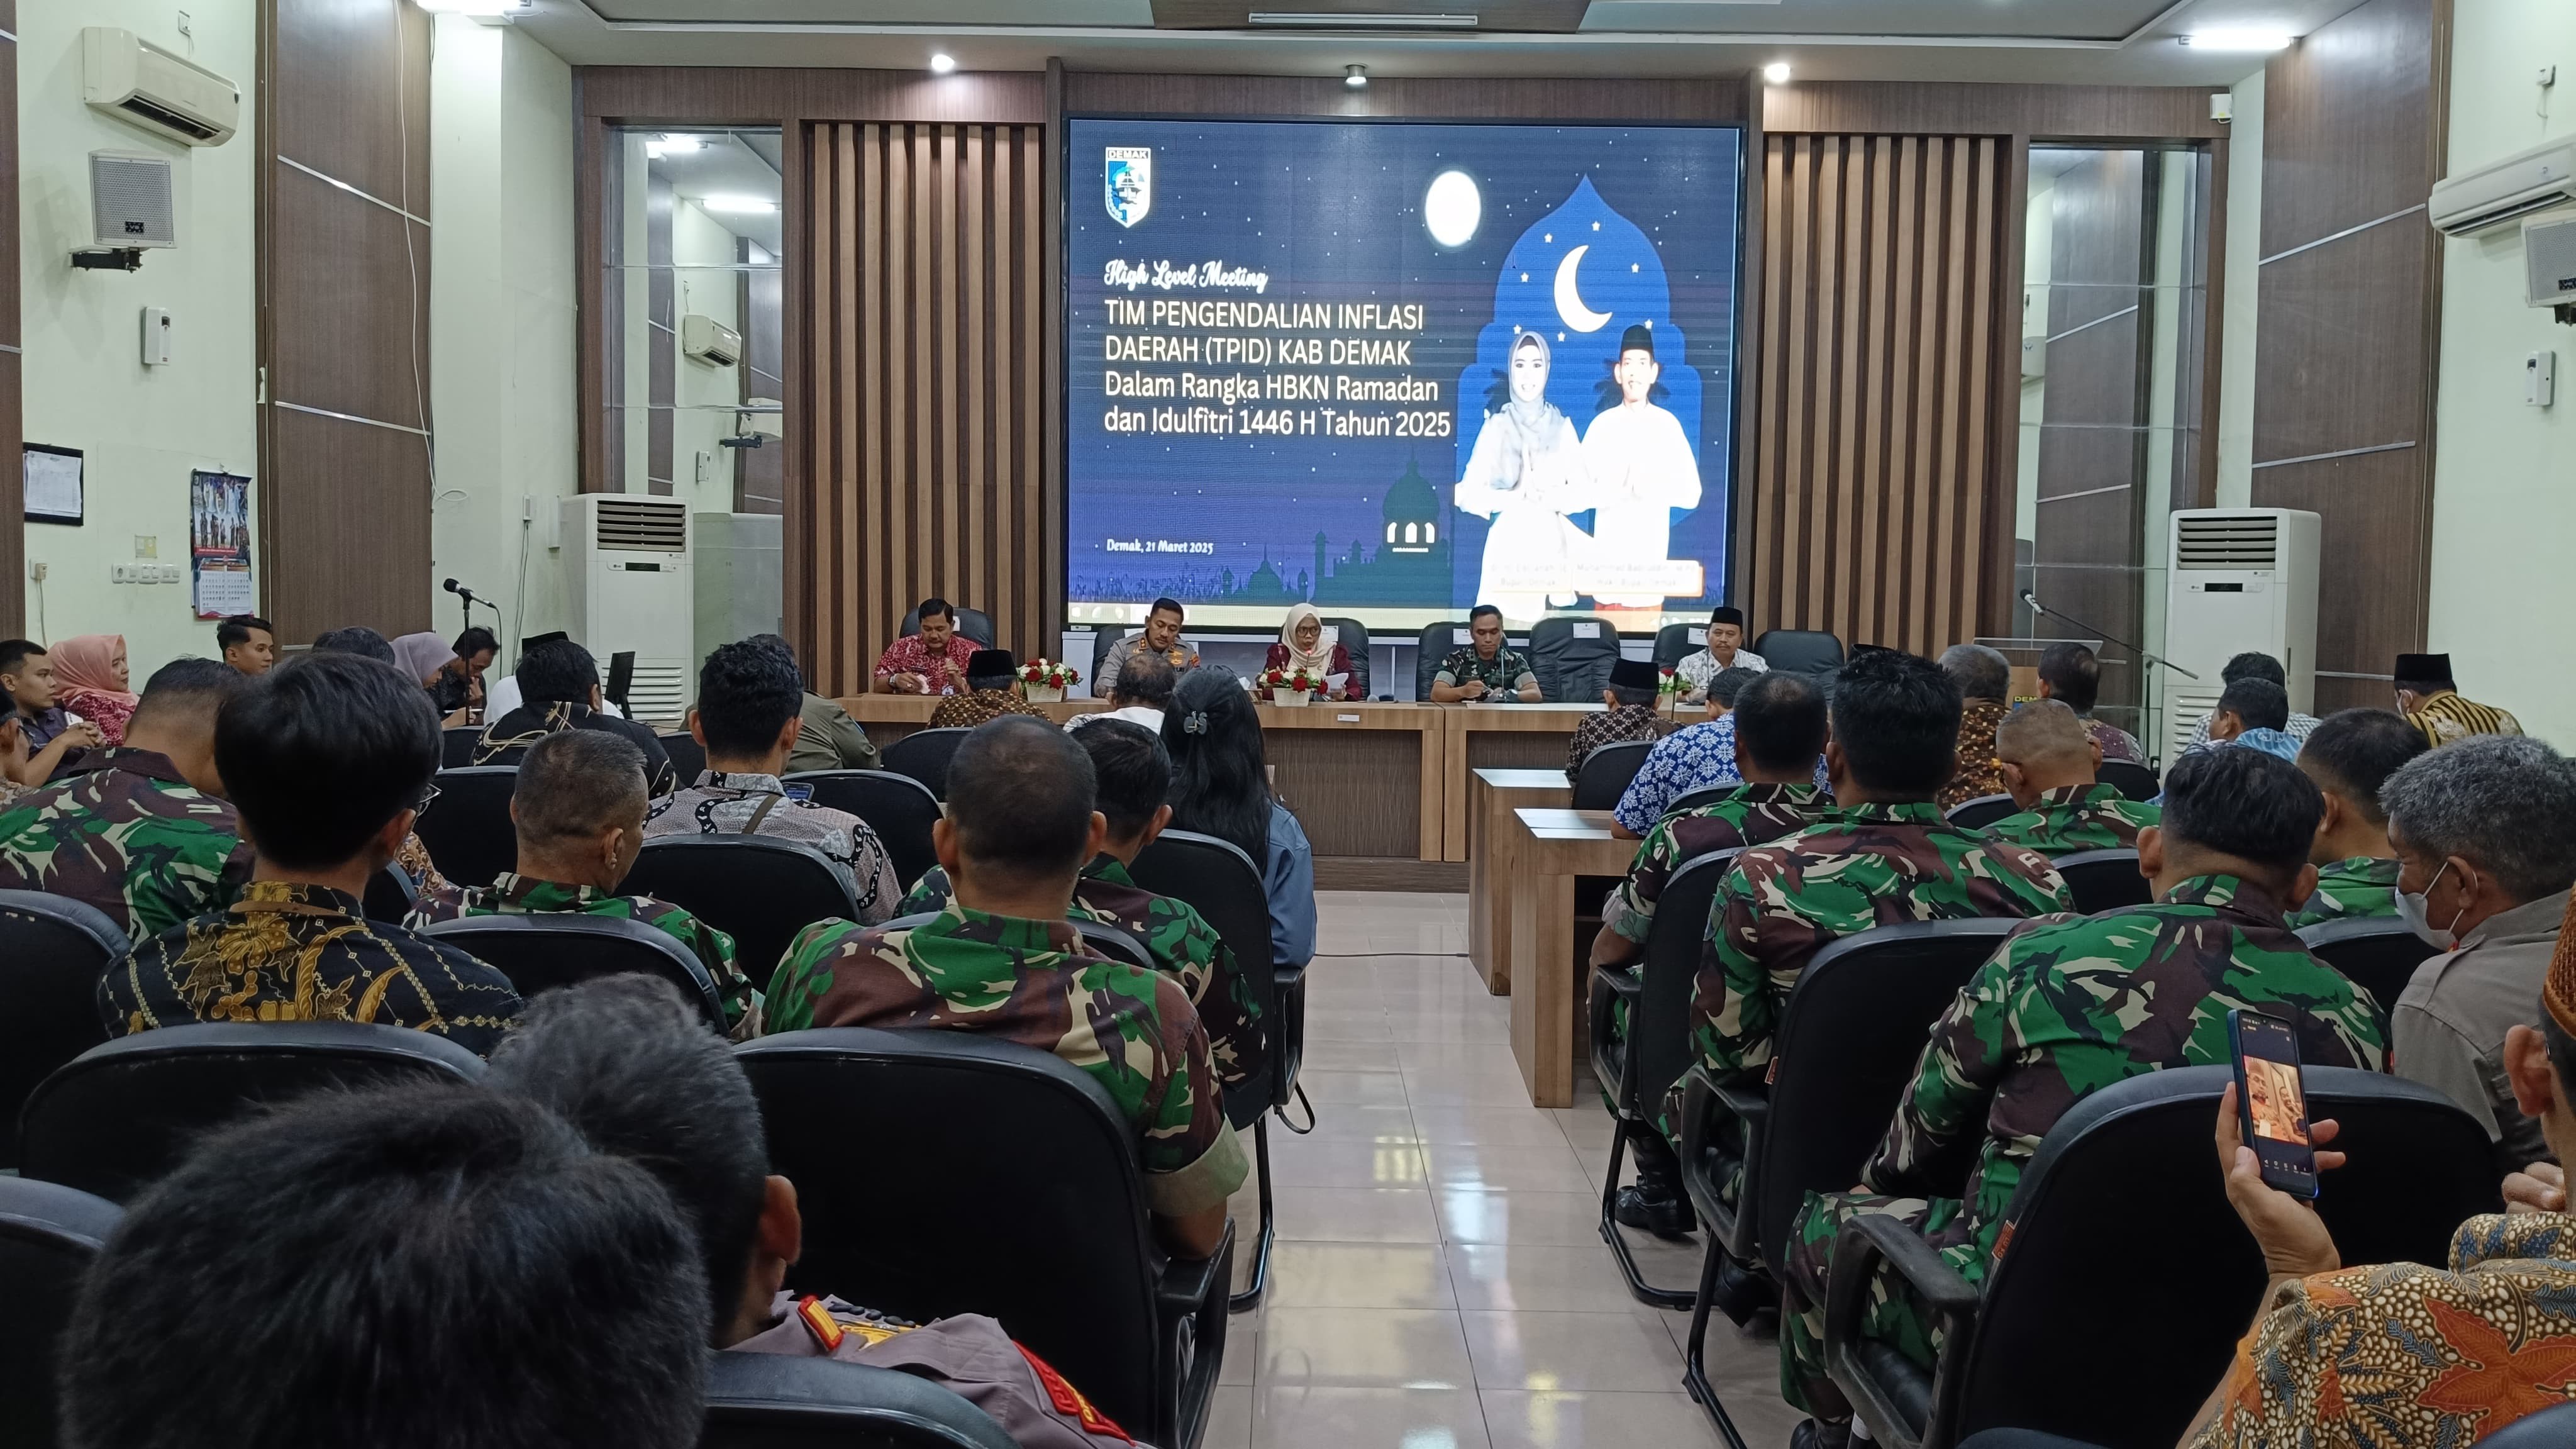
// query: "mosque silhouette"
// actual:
[[1407, 564]]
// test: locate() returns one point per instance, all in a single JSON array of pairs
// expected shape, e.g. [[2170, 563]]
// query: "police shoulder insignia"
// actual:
[[819, 1322], [1068, 1400]]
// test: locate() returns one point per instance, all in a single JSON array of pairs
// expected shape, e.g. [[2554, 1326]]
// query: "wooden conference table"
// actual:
[[1547, 847]]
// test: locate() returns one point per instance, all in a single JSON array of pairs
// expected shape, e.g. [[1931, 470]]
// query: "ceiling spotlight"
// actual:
[[1777, 72], [2239, 39], [1355, 76], [674, 144], [942, 63]]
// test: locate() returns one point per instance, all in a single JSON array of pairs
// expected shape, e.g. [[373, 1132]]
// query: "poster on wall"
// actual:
[[219, 544], [52, 481]]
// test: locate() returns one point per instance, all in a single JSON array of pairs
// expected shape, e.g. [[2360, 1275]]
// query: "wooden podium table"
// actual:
[[1492, 796], [1548, 848]]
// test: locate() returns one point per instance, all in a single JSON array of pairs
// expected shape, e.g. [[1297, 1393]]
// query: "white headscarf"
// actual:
[[1320, 661]]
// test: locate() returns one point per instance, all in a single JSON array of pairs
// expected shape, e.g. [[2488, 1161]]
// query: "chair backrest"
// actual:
[[1019, 1137], [2133, 780], [1659, 1027], [1981, 812], [53, 950], [48, 1235], [1572, 657], [2138, 1152], [975, 624], [543, 951], [2550, 1428], [2104, 880], [758, 889], [1103, 639], [1847, 1046], [1352, 635], [899, 808], [467, 828], [924, 755], [122, 1114], [782, 1401], [1606, 772], [688, 757], [2378, 954], [1677, 642], [1216, 879], [1435, 643], [1800, 651], [456, 745]]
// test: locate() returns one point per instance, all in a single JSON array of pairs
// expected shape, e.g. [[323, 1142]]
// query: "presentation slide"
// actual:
[[1399, 369]]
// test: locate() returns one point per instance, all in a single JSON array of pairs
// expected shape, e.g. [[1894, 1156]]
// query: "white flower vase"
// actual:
[[1290, 696], [1045, 693]]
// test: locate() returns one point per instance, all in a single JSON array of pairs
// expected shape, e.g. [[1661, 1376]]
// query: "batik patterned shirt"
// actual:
[[1612, 726], [132, 838], [1751, 815], [2116, 743], [2078, 817], [519, 895], [1694, 757], [965, 711], [1978, 771], [2361, 888], [1504, 676], [286, 952], [2447, 717], [505, 741], [1696, 670], [722, 804], [1032, 982], [908, 655]]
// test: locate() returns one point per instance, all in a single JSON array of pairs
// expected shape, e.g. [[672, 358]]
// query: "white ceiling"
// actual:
[[729, 164]]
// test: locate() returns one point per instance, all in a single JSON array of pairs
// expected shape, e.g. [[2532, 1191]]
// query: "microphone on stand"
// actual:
[[462, 592]]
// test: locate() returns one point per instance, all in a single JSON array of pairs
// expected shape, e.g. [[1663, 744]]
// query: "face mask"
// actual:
[[2412, 908]]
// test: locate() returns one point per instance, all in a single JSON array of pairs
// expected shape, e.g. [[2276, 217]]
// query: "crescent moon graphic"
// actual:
[[1569, 302]]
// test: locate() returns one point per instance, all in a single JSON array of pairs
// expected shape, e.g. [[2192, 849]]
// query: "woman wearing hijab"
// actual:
[[1526, 473], [1301, 646], [90, 681], [428, 658]]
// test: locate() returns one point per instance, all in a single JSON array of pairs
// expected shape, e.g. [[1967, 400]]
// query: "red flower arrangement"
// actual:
[[1294, 680], [1049, 675]]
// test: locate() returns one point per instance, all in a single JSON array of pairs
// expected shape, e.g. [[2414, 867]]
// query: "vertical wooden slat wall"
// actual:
[[924, 273], [1875, 469]]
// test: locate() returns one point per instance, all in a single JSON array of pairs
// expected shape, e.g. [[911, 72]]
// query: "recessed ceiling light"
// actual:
[[1777, 72], [477, 7], [738, 205], [2239, 39], [673, 145], [942, 63], [1355, 76]]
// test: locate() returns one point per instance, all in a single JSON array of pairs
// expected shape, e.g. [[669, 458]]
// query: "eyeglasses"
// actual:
[[428, 794]]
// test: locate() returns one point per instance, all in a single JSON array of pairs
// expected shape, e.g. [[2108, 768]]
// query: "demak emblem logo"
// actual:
[[1128, 183]]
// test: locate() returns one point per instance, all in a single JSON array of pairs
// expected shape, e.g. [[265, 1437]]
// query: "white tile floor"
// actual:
[[1440, 1280]]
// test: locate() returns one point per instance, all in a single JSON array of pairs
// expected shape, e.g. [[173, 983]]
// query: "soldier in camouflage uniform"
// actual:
[[2067, 1006], [1485, 669], [1003, 960], [2350, 754], [144, 833], [2048, 760]]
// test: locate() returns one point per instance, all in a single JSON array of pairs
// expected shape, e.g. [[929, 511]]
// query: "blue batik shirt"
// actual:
[[1693, 758]]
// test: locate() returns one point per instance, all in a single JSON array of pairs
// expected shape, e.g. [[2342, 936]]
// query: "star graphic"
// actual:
[[2494, 1378]]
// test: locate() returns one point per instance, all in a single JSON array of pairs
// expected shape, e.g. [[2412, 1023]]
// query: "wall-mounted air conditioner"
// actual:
[[143, 85], [710, 341], [2239, 579], [632, 591], [2496, 193]]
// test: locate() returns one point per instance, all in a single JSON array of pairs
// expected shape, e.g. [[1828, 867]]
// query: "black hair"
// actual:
[[356, 639], [1896, 716], [747, 692], [1728, 685], [194, 687], [626, 1061], [934, 607], [14, 652], [1167, 606], [321, 751], [1481, 610], [2354, 751], [410, 1268], [2253, 664], [578, 782], [1145, 679], [1020, 797], [779, 643], [2244, 803], [556, 671], [1220, 773], [2073, 673], [2259, 703], [237, 630], [1780, 722], [474, 641], [1132, 773]]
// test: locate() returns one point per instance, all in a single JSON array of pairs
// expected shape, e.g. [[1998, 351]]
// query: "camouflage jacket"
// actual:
[[1751, 815], [1031, 982], [287, 952], [2078, 817], [519, 895], [1184, 947], [965, 711], [2071, 1004], [1977, 772], [131, 838], [2359, 889], [1503, 675], [1864, 866]]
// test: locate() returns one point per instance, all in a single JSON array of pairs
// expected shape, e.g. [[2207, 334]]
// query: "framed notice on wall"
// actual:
[[53, 484], [219, 544]]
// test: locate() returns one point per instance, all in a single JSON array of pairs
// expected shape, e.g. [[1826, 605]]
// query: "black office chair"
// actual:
[[781, 1401], [2104, 880], [1572, 657], [1435, 643], [1847, 1045], [467, 828], [688, 757], [758, 889], [2026, 1349], [1215, 878], [1677, 642], [1800, 651], [53, 950], [924, 755], [456, 746], [975, 624], [2133, 780], [390, 895], [1981, 812], [122, 1114], [1019, 1137], [1606, 773], [48, 1235], [1352, 635], [540, 952], [899, 808], [1638, 1071], [2550, 1428], [2378, 954]]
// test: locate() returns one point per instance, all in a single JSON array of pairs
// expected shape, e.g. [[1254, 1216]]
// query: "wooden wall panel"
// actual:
[[1452, 98], [1948, 108], [13, 426]]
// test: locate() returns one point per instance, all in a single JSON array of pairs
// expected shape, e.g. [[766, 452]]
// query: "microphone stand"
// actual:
[[2146, 660]]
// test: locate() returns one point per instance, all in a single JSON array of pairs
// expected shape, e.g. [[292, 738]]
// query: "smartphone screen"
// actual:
[[2272, 1102]]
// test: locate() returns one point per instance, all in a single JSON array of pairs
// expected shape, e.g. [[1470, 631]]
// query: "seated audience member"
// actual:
[[2400, 1355], [826, 737], [13, 754], [993, 690], [2068, 1006], [559, 690], [51, 733], [1485, 669], [1630, 696], [625, 1061], [432, 660], [476, 648], [1221, 787], [90, 680], [248, 643], [2485, 834], [930, 662], [355, 639], [2350, 755], [2253, 713], [417, 1267], [412, 857], [2048, 761], [1983, 678], [1140, 693], [750, 710], [578, 806], [2071, 674], [2432, 703], [1133, 778], [326, 758], [1725, 651], [1695, 757], [1301, 646], [1002, 959], [143, 832], [1161, 638], [2252, 665]]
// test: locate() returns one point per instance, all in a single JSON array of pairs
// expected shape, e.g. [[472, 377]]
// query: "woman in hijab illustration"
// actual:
[[1525, 473]]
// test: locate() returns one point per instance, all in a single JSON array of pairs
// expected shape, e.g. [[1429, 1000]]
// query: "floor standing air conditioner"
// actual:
[[630, 555], [2239, 579]]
